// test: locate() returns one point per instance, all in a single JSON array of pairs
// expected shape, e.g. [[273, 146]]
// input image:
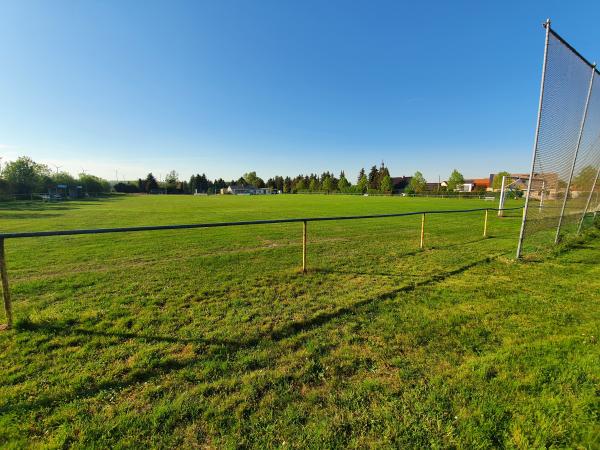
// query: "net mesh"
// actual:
[[567, 155]]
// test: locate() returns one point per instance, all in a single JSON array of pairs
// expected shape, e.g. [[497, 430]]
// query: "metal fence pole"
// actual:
[[535, 142], [422, 231], [501, 202], [304, 246], [589, 200], [583, 119], [5, 288], [485, 220], [542, 195]]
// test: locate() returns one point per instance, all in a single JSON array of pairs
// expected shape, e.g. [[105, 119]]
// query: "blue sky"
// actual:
[[279, 87]]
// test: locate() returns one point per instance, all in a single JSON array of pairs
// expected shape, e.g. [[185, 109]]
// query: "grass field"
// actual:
[[214, 337]]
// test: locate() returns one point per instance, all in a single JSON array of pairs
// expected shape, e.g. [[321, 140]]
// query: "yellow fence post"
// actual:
[[422, 231], [5, 289], [304, 246], [485, 224]]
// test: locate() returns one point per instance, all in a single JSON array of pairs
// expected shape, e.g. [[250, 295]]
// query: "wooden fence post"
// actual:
[[5, 289], [422, 231], [304, 246]]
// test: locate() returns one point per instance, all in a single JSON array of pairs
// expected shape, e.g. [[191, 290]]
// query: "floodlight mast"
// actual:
[[535, 142]]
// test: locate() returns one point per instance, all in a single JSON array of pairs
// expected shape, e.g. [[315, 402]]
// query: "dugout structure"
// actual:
[[563, 195]]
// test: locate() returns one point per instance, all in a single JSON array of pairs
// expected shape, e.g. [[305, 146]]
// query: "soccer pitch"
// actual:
[[214, 337]]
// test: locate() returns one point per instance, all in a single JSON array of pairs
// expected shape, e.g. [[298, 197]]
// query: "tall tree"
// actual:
[[343, 184], [300, 184], [253, 180], [374, 178], [24, 175], [287, 185], [203, 183], [192, 184], [381, 174], [417, 183], [171, 180], [328, 184], [456, 179], [127, 188], [363, 184], [280, 183], [219, 184], [360, 175], [497, 181], [386, 184], [93, 184], [584, 179], [63, 178], [172, 177], [151, 184]]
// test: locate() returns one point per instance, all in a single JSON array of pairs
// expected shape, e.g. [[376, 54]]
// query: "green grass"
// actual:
[[214, 338]]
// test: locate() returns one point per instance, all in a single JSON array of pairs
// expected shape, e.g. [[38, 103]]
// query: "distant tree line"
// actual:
[[377, 181], [25, 176], [172, 185]]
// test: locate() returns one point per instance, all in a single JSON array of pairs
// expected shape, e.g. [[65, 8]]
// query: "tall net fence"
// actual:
[[563, 191]]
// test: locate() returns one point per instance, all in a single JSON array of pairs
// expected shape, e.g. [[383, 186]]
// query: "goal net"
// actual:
[[563, 192]]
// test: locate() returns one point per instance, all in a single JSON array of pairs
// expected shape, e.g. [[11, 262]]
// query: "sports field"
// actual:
[[215, 338]]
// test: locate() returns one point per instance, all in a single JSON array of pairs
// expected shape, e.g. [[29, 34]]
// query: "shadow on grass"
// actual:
[[460, 244], [63, 205], [137, 376], [403, 255], [27, 216], [321, 319]]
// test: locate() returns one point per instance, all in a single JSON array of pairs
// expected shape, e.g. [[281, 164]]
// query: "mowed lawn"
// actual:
[[214, 337]]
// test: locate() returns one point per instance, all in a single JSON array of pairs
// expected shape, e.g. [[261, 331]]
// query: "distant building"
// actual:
[[520, 180], [400, 183], [481, 183], [472, 184], [66, 191], [433, 187], [467, 186], [265, 191], [237, 189]]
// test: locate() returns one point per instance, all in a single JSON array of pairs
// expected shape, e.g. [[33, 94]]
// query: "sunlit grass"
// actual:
[[213, 337]]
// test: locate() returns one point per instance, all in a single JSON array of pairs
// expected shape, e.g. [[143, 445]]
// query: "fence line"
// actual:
[[305, 220], [430, 194]]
